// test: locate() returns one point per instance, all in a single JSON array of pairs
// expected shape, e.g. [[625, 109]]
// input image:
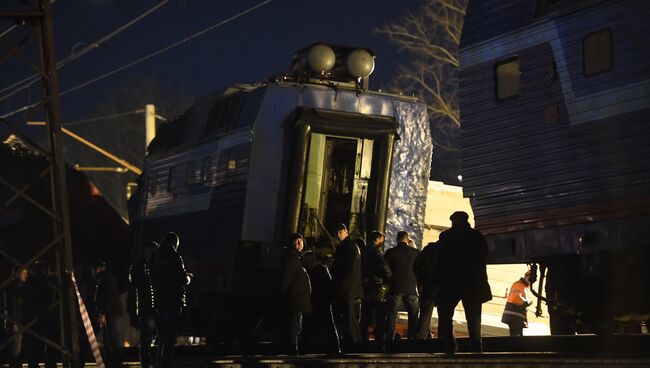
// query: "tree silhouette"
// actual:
[[431, 36]]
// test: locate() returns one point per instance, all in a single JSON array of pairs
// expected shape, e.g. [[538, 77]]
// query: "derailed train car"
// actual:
[[555, 103], [246, 166]]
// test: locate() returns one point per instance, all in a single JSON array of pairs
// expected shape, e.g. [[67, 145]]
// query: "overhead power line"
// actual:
[[25, 83], [106, 117], [7, 30], [144, 58], [165, 49]]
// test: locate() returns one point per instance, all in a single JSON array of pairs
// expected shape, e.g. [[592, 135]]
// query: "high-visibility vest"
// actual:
[[516, 304], [518, 291]]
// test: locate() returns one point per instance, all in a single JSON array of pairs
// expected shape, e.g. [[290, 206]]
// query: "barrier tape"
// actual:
[[92, 340]]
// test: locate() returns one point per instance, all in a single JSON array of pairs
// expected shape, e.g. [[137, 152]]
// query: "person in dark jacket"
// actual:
[[403, 284], [463, 277], [348, 289], [109, 309], [295, 289], [15, 309], [169, 281], [425, 271], [39, 297], [319, 329], [141, 277], [376, 275]]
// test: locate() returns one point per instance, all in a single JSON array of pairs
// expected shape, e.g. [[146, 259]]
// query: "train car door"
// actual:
[[341, 172]]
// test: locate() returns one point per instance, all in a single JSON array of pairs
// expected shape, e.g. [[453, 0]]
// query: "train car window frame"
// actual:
[[500, 78], [591, 53], [189, 173], [231, 165], [170, 179], [153, 183], [205, 169]]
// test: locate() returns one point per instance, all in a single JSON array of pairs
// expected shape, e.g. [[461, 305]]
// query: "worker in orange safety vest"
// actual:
[[514, 314]]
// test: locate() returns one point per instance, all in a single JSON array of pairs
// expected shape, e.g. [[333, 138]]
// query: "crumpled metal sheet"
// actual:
[[410, 173]]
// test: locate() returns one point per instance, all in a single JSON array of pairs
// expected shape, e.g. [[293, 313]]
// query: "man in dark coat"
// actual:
[[425, 271], [295, 289], [463, 277], [403, 284], [142, 278], [320, 330], [348, 289], [376, 275], [169, 281], [109, 309]]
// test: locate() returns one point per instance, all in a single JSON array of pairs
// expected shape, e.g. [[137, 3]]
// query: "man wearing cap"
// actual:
[[461, 263], [347, 285]]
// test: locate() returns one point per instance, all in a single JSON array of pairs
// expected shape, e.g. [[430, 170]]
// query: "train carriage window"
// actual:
[[205, 169], [506, 75], [597, 52], [152, 183], [189, 173], [170, 180], [232, 164]]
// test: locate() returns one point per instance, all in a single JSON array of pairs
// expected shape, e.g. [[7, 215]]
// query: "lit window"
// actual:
[[507, 79], [597, 52], [232, 164]]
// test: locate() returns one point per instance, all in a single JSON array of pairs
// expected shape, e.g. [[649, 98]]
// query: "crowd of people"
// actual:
[[367, 287], [330, 306]]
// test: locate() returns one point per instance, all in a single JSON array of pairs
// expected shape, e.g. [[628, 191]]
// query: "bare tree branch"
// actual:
[[431, 36]]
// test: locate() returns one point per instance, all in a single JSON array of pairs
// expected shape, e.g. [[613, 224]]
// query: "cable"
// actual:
[[76, 122], [8, 30], [137, 61], [34, 78], [164, 49]]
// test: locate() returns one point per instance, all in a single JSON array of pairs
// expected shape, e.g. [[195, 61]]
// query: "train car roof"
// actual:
[[229, 109]]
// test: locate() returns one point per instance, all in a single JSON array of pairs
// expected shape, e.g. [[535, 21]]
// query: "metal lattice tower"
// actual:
[[34, 20]]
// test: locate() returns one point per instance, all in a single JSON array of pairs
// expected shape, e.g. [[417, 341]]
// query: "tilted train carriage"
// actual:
[[555, 111], [246, 166]]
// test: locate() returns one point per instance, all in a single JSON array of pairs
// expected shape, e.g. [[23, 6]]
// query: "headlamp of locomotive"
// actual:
[[323, 63]]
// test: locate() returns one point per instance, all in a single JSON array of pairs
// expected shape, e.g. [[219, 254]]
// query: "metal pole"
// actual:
[[150, 124], [60, 189]]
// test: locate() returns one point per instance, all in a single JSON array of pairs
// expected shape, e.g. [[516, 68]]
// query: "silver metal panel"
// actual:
[[410, 172]]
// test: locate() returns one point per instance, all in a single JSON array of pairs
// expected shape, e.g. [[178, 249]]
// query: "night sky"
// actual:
[[249, 49]]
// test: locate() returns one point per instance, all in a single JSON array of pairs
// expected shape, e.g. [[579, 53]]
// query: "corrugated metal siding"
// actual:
[[515, 163], [488, 18], [207, 214], [214, 232]]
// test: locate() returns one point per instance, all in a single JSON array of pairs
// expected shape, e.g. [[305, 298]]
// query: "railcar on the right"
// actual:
[[555, 112]]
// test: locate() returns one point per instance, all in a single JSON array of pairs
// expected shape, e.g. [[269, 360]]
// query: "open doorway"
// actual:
[[338, 175], [338, 181]]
